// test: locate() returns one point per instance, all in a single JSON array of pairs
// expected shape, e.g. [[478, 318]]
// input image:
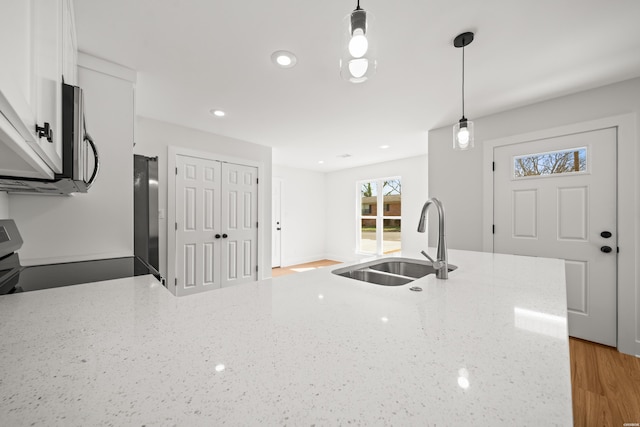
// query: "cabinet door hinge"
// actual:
[[176, 171], [493, 166], [176, 282], [176, 226], [256, 268], [256, 225], [257, 180], [493, 229]]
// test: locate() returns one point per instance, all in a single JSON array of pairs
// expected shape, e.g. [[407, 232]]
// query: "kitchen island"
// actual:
[[487, 347]]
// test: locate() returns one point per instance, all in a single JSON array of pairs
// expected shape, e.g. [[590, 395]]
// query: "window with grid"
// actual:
[[379, 215]]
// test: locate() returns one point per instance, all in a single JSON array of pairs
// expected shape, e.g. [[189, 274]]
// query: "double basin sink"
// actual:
[[389, 271]]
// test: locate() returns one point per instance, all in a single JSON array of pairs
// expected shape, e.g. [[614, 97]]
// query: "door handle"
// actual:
[[606, 249], [224, 236], [606, 234], [278, 229], [217, 236]]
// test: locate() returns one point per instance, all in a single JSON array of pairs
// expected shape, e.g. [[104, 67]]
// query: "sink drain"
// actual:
[[415, 289]]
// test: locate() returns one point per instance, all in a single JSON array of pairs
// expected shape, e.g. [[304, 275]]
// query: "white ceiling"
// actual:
[[195, 55]]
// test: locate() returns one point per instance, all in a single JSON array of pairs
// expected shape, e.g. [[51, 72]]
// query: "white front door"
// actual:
[[198, 188], [276, 229], [239, 224], [556, 198]]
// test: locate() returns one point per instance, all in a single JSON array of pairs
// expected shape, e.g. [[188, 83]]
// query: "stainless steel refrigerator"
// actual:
[[145, 209]]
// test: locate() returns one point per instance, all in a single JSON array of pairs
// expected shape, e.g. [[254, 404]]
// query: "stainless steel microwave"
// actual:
[[80, 161]]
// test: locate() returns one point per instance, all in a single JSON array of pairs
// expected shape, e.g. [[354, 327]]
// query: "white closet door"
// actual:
[[239, 224], [198, 192]]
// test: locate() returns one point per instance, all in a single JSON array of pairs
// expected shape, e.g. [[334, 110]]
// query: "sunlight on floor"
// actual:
[[283, 271]]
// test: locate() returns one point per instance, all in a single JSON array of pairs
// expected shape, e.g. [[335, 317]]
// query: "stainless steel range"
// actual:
[[16, 278]]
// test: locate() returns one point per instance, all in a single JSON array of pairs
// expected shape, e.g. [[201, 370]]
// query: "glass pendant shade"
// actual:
[[358, 61], [463, 130], [463, 135]]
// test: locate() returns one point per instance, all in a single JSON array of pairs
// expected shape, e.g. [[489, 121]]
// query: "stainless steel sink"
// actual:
[[377, 278], [389, 271], [404, 268]]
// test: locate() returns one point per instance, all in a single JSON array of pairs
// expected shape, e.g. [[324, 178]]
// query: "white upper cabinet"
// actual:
[[47, 61], [38, 47], [17, 120]]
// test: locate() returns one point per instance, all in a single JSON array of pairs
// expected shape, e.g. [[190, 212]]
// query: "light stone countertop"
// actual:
[[488, 347]]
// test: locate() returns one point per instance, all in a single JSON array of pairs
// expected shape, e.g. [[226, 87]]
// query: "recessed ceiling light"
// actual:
[[284, 59], [217, 113], [344, 156], [320, 162], [384, 146]]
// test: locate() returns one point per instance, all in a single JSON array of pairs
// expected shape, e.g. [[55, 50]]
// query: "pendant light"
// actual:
[[357, 62], [463, 130]]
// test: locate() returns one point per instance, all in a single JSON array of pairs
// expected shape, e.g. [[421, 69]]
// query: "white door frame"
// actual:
[[172, 153], [277, 182], [627, 209]]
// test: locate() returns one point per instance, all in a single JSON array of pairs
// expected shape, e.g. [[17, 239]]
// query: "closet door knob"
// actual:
[[217, 236], [606, 249], [224, 236], [606, 234]]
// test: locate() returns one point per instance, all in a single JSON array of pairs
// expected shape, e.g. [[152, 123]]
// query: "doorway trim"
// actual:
[[172, 153], [276, 183], [628, 205]]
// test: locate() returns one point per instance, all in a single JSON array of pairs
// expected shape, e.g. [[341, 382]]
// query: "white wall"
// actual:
[[153, 138], [341, 206], [98, 224], [456, 178], [303, 215], [4, 205]]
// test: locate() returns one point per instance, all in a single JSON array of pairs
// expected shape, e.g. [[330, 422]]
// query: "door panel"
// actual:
[[189, 265], [553, 198], [573, 211], [239, 223], [197, 201], [576, 276], [525, 214], [232, 265]]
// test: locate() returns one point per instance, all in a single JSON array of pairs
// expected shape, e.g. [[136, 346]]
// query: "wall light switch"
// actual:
[[160, 213]]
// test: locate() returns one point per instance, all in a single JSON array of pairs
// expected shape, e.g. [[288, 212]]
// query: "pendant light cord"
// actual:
[[462, 80]]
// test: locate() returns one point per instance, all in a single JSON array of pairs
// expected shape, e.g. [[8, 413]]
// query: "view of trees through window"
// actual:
[[380, 215], [574, 160]]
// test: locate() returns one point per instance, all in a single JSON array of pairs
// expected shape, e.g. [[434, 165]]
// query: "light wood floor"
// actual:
[[283, 271], [605, 385], [604, 382]]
